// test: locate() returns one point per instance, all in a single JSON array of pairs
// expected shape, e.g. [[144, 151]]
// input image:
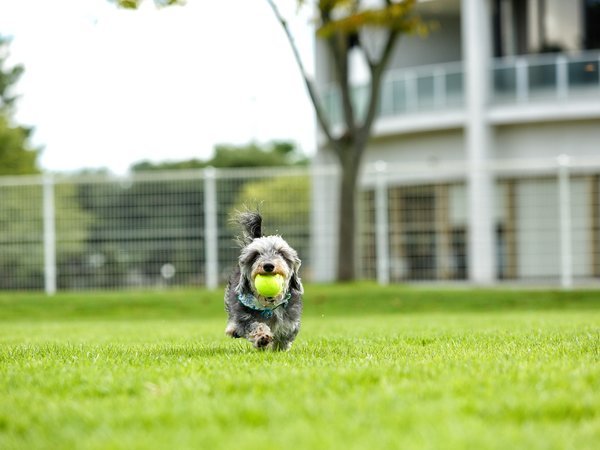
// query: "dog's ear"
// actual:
[[251, 223], [243, 285], [295, 282]]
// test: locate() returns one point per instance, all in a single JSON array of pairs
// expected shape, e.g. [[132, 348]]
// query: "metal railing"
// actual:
[[548, 76], [440, 87]]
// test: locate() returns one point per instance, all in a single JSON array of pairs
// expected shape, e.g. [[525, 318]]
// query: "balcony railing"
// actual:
[[557, 76], [440, 87]]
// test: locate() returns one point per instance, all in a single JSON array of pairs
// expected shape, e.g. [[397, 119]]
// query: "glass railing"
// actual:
[[552, 76], [441, 87], [422, 89], [403, 91]]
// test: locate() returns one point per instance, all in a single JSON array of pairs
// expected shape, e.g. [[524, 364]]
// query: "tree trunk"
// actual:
[[347, 217]]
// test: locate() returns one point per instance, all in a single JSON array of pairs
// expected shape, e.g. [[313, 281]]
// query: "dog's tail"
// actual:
[[251, 223]]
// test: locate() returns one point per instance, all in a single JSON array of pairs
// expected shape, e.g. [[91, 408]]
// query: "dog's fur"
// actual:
[[264, 255]]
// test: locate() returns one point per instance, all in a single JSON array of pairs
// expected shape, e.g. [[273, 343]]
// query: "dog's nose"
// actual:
[[268, 267]]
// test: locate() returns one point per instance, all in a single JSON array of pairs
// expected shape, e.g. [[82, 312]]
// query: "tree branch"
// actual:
[[377, 70], [338, 46], [321, 117], [339, 50]]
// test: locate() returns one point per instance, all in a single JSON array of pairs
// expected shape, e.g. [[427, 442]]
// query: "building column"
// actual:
[[476, 31], [324, 220]]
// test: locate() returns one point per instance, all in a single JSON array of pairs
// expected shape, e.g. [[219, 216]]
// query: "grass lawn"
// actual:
[[373, 368]]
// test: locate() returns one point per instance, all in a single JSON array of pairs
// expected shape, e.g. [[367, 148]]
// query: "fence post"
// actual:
[[522, 80], [412, 97], [49, 226], [562, 77], [211, 236], [439, 87], [382, 223], [564, 208]]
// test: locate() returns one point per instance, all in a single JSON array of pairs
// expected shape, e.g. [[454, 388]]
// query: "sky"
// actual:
[[105, 87]]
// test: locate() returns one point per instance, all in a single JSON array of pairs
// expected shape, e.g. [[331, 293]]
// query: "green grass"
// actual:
[[373, 367]]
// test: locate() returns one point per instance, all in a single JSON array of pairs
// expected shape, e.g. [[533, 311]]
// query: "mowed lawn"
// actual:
[[373, 368]]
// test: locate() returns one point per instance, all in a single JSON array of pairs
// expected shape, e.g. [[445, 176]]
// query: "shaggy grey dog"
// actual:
[[267, 322]]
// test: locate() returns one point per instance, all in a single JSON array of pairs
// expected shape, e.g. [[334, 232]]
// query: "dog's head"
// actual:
[[269, 255], [266, 255]]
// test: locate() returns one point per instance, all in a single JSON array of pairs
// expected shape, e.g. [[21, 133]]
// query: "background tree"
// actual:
[[345, 25], [17, 156], [8, 77], [21, 221], [145, 207], [271, 154], [278, 153]]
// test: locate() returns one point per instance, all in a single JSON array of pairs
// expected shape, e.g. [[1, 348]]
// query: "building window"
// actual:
[[592, 24], [544, 26]]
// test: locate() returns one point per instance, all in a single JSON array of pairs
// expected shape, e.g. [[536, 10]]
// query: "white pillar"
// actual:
[[49, 235], [475, 16], [324, 219], [382, 231], [522, 80], [564, 209], [562, 77], [211, 233]]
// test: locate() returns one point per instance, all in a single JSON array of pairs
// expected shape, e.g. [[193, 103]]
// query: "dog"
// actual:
[[267, 322]]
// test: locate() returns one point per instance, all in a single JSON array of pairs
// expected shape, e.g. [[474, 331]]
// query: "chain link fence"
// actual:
[[161, 229]]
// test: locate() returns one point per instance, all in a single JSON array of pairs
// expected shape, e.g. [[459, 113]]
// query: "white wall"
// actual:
[[434, 147], [440, 46], [550, 139]]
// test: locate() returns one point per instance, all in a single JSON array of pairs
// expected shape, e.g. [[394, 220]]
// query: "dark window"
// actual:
[[592, 24]]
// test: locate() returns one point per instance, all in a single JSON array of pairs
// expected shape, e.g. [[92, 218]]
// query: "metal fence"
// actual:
[[415, 222], [151, 229], [160, 229]]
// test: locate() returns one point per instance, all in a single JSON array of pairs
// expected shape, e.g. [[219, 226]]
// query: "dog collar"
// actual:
[[250, 301]]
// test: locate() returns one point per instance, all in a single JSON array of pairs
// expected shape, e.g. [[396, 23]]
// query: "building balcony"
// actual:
[[525, 88]]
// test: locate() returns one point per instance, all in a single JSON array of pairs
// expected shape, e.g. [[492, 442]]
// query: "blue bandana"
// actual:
[[267, 312]]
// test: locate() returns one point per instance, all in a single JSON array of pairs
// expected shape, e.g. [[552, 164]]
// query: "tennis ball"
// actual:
[[268, 285]]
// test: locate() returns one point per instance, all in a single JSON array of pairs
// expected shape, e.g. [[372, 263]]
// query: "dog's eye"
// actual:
[[290, 257], [249, 258]]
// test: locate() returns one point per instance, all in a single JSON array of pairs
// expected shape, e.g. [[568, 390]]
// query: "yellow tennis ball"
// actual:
[[268, 285]]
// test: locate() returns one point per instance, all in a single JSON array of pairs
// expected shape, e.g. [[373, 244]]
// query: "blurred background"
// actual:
[[128, 137]]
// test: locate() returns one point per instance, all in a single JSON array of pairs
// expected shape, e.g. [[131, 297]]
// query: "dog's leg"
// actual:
[[283, 340], [232, 331], [282, 346], [260, 335]]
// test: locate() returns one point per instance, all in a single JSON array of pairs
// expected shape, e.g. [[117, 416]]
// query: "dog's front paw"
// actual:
[[261, 336], [263, 340]]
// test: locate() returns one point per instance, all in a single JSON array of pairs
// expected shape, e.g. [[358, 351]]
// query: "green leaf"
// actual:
[[350, 19]]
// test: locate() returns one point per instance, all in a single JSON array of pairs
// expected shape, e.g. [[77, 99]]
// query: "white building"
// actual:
[[472, 121]]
